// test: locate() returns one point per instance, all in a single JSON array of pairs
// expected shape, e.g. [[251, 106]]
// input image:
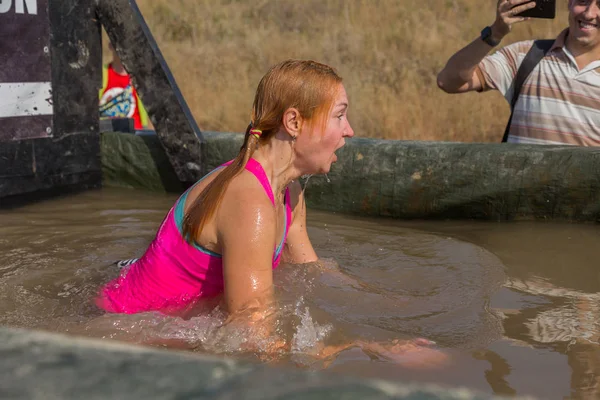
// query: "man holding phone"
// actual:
[[559, 97]]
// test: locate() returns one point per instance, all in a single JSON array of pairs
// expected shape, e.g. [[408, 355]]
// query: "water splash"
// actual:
[[308, 333], [197, 331], [215, 333], [307, 178]]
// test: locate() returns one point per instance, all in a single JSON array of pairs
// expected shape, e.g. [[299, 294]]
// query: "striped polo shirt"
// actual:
[[558, 104]]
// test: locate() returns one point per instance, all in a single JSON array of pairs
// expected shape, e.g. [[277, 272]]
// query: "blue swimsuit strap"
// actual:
[[179, 214]]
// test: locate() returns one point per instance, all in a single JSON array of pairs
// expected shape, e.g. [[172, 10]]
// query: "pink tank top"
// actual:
[[173, 274]]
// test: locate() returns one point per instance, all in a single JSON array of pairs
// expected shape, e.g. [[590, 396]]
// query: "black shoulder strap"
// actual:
[[533, 57]]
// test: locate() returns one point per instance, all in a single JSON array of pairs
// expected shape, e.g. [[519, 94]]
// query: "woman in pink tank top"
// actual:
[[225, 235]]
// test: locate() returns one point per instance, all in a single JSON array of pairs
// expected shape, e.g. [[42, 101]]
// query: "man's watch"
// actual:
[[486, 36]]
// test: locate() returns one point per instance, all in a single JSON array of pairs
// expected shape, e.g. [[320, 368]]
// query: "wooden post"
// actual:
[[170, 115]]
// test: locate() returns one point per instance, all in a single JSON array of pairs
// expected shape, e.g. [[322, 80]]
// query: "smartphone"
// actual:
[[542, 9]]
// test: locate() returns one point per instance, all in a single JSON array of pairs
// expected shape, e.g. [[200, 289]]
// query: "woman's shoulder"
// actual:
[[245, 184], [245, 192], [246, 207]]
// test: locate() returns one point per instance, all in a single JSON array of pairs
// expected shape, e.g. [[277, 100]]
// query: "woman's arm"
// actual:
[[298, 248], [246, 232], [247, 235]]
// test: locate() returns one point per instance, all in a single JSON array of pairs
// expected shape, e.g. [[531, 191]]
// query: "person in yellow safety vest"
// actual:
[[118, 97]]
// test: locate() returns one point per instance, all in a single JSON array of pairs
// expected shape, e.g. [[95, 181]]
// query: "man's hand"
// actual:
[[506, 15], [460, 73]]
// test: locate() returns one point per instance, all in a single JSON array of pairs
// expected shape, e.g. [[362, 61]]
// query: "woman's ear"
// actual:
[[292, 122]]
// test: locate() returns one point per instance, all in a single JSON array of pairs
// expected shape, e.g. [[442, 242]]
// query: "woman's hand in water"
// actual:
[[416, 353]]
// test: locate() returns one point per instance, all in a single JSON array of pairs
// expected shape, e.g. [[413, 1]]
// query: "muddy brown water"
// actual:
[[515, 305]]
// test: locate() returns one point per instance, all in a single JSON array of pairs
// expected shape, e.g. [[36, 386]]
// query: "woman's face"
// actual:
[[315, 148]]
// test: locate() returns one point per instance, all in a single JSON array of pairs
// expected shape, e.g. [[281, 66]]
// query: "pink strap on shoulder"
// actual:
[[258, 171]]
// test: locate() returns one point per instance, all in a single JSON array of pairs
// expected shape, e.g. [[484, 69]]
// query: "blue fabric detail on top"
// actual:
[[280, 247], [179, 214]]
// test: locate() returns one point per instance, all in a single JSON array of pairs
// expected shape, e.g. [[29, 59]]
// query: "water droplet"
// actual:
[[305, 182], [327, 177]]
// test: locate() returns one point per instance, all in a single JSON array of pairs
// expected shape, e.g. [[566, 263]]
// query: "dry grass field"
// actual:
[[388, 52]]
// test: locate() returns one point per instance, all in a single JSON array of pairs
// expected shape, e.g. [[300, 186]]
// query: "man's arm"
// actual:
[[460, 73]]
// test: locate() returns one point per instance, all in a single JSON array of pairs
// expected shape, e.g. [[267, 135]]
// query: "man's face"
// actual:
[[584, 22]]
